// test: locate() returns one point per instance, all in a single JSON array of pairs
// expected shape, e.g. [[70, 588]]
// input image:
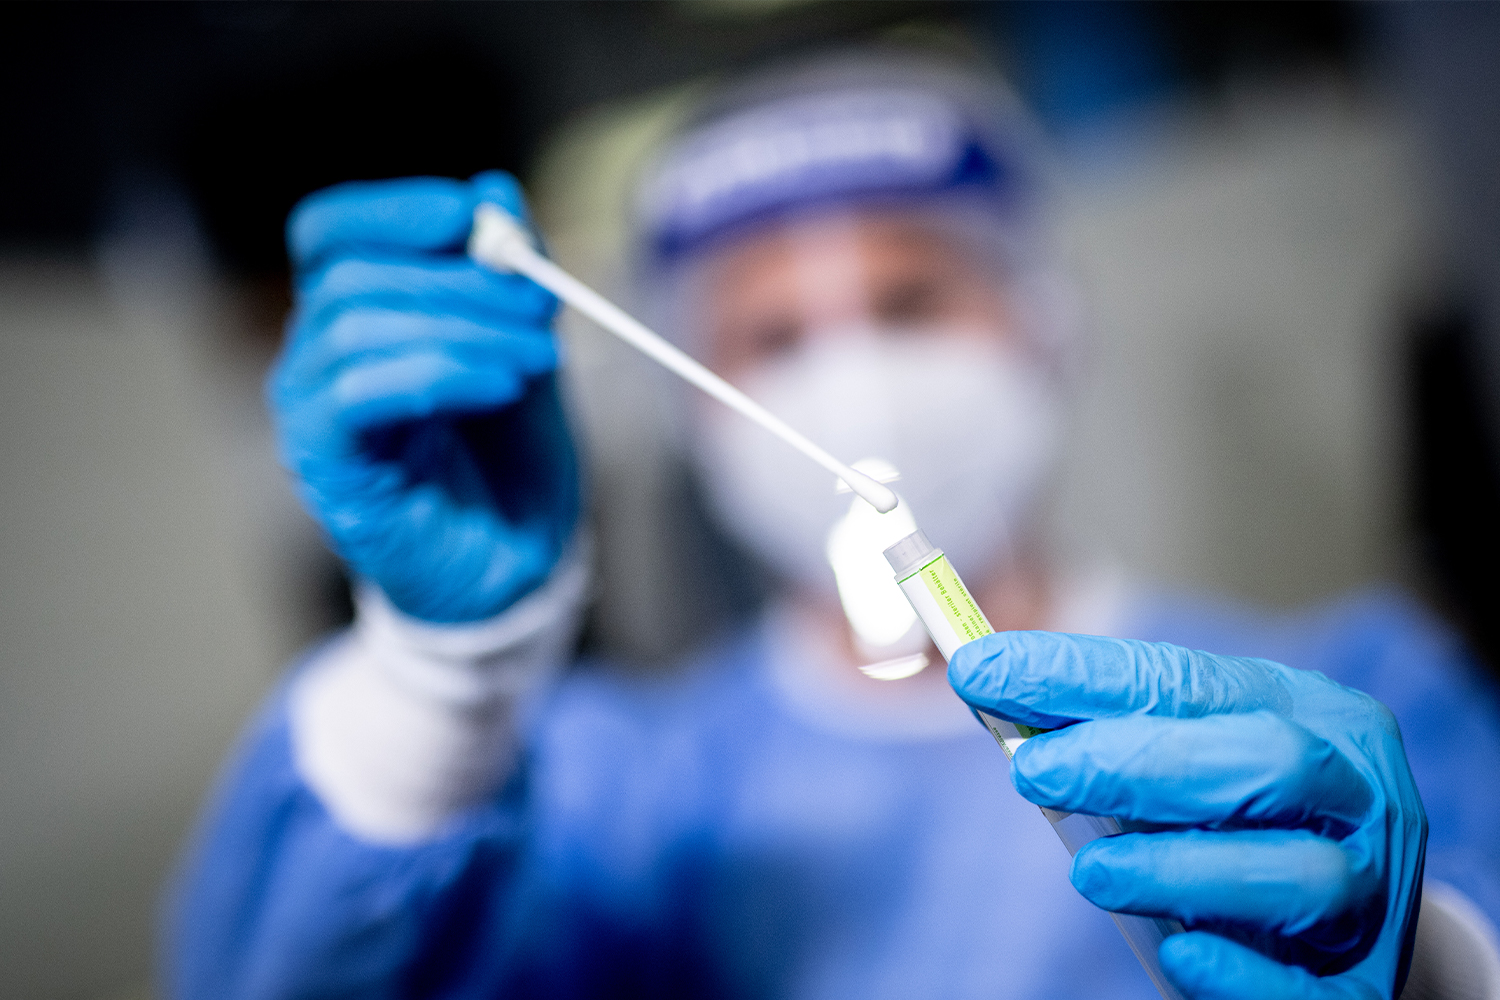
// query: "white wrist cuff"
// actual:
[[400, 724], [1457, 954], [475, 663]]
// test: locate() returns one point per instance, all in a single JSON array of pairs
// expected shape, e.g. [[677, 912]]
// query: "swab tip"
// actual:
[[497, 237], [882, 498]]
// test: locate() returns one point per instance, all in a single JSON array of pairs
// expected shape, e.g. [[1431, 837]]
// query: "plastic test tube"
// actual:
[[952, 618]]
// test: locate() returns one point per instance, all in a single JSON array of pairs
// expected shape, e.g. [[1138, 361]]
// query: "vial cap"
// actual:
[[909, 553]]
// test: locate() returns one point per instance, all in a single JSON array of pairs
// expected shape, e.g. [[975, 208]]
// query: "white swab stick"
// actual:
[[500, 242]]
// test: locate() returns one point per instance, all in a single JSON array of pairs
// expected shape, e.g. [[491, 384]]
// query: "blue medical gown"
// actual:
[[693, 838]]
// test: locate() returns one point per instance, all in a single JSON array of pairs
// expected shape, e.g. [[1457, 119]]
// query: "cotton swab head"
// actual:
[[498, 238]]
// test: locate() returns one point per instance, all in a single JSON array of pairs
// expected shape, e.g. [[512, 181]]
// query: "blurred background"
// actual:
[[1284, 218]]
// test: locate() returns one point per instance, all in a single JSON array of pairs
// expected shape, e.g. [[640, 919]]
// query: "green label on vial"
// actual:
[[954, 600], [967, 620], [997, 730]]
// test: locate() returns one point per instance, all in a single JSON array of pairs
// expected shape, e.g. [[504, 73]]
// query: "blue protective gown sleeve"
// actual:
[[566, 884], [274, 900]]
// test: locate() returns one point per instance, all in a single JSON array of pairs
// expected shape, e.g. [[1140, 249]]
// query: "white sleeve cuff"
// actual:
[[477, 663], [400, 724], [1457, 954]]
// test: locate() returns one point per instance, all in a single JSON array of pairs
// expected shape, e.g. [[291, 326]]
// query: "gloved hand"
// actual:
[[416, 399], [1288, 835]]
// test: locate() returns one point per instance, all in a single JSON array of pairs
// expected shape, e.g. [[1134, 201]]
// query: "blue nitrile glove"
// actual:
[[416, 399], [1295, 832]]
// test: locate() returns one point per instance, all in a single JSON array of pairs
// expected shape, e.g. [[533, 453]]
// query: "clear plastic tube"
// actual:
[[952, 618]]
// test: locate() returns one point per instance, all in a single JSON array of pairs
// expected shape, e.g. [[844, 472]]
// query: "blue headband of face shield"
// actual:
[[867, 145]]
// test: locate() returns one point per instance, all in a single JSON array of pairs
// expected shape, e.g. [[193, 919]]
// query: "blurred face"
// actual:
[[884, 337], [783, 287]]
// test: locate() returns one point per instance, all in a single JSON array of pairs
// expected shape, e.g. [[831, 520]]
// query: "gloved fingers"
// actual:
[[364, 335], [1255, 768], [391, 390], [455, 286], [1284, 881], [1048, 679], [1208, 967], [414, 213]]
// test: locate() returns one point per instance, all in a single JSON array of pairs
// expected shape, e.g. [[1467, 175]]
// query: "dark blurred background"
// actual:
[[252, 105], [1286, 218]]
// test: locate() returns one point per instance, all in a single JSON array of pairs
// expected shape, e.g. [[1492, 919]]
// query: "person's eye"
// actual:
[[910, 302], [774, 338]]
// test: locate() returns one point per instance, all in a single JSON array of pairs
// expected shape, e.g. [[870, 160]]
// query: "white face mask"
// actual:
[[971, 427]]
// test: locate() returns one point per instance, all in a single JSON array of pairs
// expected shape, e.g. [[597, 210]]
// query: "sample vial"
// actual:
[[951, 617]]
